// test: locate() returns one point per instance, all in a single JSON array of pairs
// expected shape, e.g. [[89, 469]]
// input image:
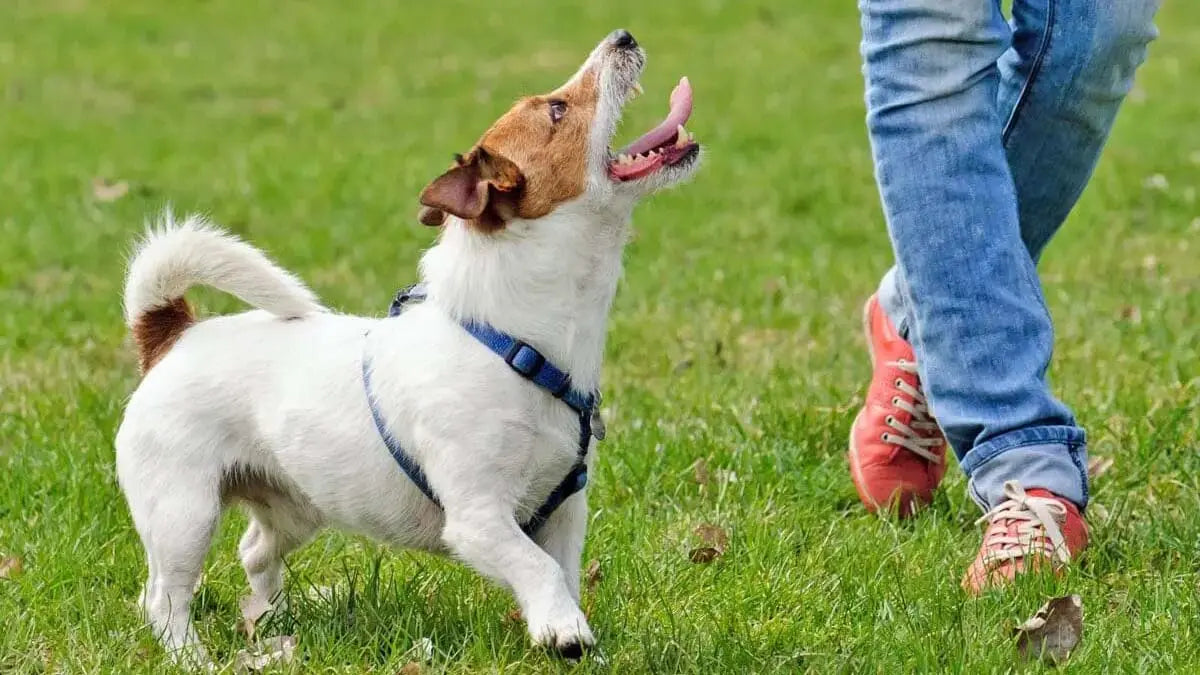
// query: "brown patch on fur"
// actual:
[[156, 330], [525, 165], [250, 485]]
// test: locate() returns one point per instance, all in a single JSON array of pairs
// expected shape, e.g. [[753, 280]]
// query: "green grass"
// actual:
[[309, 128]]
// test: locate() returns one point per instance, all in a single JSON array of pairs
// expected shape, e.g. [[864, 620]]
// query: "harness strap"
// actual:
[[530, 364], [575, 481], [407, 465]]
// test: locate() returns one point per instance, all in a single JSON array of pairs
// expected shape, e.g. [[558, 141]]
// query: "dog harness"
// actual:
[[526, 362]]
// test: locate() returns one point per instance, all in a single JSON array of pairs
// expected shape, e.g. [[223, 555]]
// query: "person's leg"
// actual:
[[1071, 65], [973, 305]]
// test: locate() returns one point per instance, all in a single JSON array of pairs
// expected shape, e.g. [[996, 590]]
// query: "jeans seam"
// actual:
[[1034, 71], [992, 454], [1083, 477]]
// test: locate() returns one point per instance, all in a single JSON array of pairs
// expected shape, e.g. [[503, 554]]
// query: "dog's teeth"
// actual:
[[624, 159], [652, 154], [682, 139]]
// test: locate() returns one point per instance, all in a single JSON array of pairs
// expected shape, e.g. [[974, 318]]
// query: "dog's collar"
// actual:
[[527, 362]]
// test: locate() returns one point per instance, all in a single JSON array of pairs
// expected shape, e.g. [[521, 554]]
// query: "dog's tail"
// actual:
[[173, 257]]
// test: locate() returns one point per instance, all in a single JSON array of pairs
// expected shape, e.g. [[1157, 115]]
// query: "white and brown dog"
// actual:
[[277, 409]]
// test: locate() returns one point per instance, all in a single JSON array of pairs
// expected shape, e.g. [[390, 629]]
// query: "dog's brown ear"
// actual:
[[477, 180], [431, 216]]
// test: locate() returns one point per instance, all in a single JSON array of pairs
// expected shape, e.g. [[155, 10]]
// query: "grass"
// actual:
[[309, 128]]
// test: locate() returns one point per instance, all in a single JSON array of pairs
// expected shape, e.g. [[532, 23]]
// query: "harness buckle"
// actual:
[[525, 359]]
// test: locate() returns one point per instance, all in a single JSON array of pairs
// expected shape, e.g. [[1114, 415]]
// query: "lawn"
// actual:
[[734, 364]]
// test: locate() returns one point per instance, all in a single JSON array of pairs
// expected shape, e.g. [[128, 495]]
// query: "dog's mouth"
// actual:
[[668, 144]]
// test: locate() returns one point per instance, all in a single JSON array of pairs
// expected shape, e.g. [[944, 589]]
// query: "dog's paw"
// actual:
[[566, 633], [572, 651]]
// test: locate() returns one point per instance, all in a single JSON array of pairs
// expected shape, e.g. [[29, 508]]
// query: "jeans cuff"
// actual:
[[1053, 458]]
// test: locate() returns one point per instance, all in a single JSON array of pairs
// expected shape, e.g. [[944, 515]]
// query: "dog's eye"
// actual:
[[558, 109]]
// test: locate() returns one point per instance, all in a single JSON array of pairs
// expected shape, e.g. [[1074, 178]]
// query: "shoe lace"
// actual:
[[919, 435], [1037, 530]]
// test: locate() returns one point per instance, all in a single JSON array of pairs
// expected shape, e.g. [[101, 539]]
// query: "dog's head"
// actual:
[[552, 149]]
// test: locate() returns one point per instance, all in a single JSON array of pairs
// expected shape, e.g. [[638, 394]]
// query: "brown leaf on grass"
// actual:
[[105, 191], [1131, 314], [1098, 466], [11, 566], [715, 540], [280, 649], [254, 607], [713, 536], [412, 668], [592, 574], [700, 471], [513, 616], [1053, 631]]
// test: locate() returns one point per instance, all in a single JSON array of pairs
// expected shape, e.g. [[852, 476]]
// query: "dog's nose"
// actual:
[[623, 39]]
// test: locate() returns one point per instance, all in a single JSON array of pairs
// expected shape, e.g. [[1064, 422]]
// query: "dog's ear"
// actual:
[[431, 216], [481, 186]]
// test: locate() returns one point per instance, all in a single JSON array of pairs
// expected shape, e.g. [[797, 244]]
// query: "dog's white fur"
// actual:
[[268, 407]]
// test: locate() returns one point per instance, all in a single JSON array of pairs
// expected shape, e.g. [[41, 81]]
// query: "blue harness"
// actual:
[[528, 363]]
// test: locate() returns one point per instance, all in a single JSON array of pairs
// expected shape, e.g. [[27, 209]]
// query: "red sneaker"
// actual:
[[1027, 531], [897, 452]]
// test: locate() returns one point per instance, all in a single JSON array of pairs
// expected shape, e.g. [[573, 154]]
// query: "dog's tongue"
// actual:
[[681, 110]]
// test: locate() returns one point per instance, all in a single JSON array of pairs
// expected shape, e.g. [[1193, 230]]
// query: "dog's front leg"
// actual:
[[562, 537], [485, 535]]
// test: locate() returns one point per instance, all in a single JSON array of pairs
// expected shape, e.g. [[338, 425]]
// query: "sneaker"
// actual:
[[897, 452], [1029, 530]]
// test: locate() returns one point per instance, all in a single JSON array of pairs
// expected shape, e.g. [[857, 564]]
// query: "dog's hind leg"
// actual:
[[176, 525], [274, 532], [486, 536]]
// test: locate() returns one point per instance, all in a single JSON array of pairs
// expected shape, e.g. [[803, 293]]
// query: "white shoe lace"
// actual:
[[914, 435], [1039, 530]]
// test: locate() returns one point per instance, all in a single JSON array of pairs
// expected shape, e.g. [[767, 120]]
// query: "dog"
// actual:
[[413, 429]]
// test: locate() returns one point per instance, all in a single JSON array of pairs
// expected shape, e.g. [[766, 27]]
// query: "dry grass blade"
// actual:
[[700, 471], [1098, 466], [592, 574], [1053, 632]]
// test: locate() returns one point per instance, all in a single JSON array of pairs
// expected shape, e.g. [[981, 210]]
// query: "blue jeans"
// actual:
[[985, 133]]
